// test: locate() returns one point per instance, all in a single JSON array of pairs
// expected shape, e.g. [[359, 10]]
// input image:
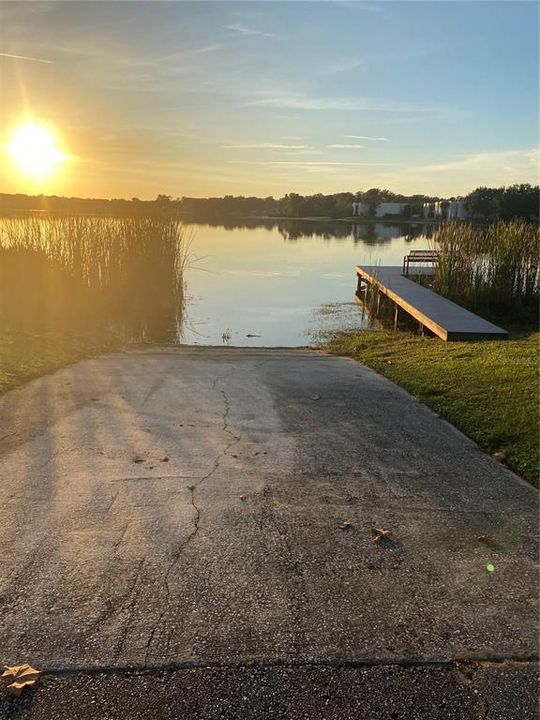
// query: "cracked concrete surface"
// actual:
[[186, 508]]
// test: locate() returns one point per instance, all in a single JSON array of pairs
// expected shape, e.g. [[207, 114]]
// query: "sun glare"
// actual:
[[34, 151]]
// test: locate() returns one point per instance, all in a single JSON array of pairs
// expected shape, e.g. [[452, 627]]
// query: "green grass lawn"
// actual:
[[24, 356], [488, 389]]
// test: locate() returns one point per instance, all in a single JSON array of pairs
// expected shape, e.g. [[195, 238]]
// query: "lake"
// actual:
[[155, 281], [282, 284]]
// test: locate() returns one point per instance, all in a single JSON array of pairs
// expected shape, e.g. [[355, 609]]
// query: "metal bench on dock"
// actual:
[[420, 256], [443, 317]]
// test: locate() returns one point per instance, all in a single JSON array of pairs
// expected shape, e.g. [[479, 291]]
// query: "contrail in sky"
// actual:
[[24, 57]]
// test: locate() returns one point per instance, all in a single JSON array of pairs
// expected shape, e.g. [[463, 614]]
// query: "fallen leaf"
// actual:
[[23, 676], [381, 534], [315, 397], [25, 671], [346, 525], [16, 688]]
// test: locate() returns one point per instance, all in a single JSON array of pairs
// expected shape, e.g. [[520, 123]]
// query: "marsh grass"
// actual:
[[74, 284], [124, 275], [492, 270]]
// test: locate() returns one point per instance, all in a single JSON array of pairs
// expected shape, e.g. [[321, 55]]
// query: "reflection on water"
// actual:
[[262, 283], [283, 283]]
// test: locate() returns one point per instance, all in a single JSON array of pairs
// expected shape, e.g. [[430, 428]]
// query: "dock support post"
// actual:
[[396, 313], [378, 302]]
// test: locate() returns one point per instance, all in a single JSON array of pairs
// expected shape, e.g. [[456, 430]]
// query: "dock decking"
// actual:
[[443, 317]]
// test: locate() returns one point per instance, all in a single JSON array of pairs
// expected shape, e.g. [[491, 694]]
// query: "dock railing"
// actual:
[[420, 256]]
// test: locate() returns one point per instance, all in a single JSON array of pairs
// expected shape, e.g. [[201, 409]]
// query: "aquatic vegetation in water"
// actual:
[[119, 276], [493, 268]]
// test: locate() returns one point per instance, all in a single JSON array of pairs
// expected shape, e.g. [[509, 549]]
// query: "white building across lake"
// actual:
[[455, 209], [446, 209], [383, 209]]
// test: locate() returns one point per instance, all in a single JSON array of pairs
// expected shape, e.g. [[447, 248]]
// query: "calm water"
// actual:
[[282, 285], [257, 283]]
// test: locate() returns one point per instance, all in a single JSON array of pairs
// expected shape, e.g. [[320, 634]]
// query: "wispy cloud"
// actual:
[[265, 146], [375, 7], [345, 65], [463, 174], [26, 57], [298, 101], [244, 30], [304, 163], [503, 161], [340, 145], [365, 137], [207, 49]]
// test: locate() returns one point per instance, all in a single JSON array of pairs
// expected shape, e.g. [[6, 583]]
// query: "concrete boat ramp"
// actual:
[[443, 317], [189, 533]]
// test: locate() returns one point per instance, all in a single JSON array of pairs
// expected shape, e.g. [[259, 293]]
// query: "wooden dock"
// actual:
[[443, 317]]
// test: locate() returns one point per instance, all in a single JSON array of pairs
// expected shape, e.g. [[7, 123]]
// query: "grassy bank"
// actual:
[[489, 390], [24, 356]]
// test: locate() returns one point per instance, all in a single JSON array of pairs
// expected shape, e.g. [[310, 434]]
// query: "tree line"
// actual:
[[515, 201]]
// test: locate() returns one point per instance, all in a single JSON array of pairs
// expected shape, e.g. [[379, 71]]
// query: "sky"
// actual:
[[264, 98]]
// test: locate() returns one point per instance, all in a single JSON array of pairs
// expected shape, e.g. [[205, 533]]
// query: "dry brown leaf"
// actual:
[[17, 671], [381, 534], [16, 687]]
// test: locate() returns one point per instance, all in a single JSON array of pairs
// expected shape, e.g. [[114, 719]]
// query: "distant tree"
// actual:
[[519, 201], [484, 202], [515, 201], [374, 197], [506, 203]]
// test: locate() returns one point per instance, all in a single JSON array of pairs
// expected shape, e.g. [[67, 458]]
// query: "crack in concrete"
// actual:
[[113, 500], [111, 605], [134, 596], [121, 538], [192, 489], [152, 478]]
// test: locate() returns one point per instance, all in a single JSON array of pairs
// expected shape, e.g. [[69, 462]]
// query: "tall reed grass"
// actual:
[[97, 274], [493, 269]]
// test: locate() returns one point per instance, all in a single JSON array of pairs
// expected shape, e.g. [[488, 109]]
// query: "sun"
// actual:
[[34, 151]]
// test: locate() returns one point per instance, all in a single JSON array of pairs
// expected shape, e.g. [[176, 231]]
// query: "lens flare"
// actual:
[[34, 151]]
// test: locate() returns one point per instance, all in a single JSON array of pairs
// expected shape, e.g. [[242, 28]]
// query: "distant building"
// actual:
[[382, 210], [446, 209], [390, 208], [359, 208], [440, 209], [428, 209], [457, 209]]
